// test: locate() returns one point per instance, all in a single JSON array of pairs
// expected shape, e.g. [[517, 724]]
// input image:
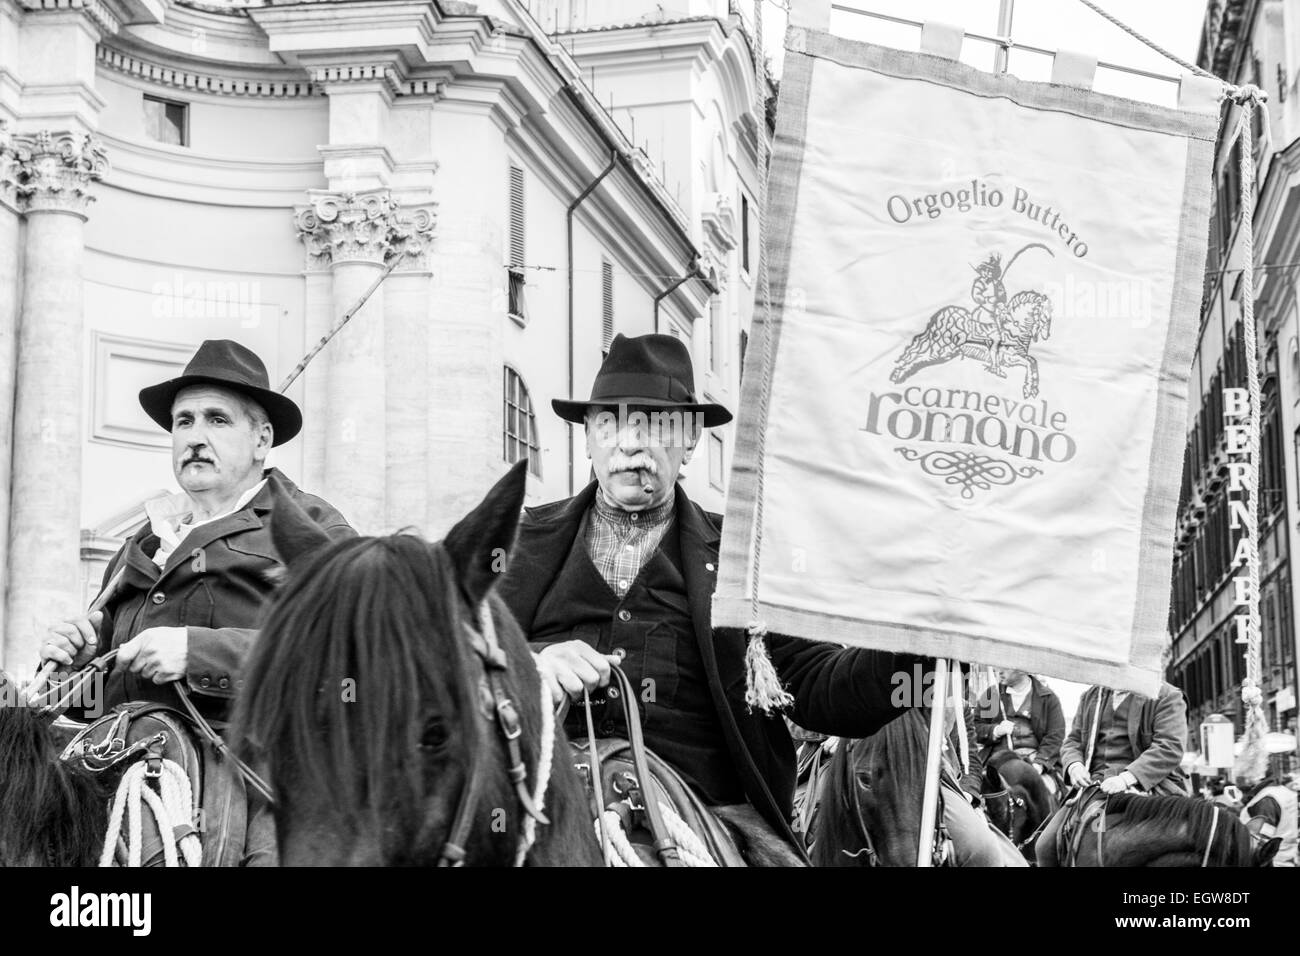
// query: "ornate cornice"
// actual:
[[55, 170], [99, 12], [394, 79], [108, 16], [386, 73], [202, 82]]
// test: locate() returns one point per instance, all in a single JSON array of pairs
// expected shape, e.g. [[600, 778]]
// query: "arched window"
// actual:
[[519, 424]]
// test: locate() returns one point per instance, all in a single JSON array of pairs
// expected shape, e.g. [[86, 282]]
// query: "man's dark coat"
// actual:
[[837, 691]]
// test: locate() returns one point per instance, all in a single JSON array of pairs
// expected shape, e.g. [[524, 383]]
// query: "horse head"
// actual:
[[368, 699], [870, 810], [1028, 800], [1031, 313]]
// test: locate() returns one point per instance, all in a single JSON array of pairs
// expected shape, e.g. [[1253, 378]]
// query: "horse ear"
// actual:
[[293, 533], [481, 540]]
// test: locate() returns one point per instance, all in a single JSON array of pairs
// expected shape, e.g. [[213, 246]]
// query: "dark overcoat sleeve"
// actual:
[[1052, 734], [987, 715], [845, 692]]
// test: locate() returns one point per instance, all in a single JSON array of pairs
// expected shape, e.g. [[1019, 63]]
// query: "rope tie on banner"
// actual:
[[1253, 762], [763, 688], [1254, 758]]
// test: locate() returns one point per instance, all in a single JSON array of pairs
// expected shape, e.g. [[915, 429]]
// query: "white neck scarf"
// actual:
[[172, 519]]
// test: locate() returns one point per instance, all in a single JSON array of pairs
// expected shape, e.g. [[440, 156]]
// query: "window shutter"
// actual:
[[607, 304], [516, 217], [744, 233]]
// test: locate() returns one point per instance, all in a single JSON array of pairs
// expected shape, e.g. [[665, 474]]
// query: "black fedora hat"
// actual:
[[650, 370], [229, 365]]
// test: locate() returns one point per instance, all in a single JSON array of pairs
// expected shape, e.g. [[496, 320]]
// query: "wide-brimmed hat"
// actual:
[[229, 365], [650, 370]]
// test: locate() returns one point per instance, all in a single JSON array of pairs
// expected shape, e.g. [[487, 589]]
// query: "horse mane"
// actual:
[[1232, 845], [53, 813], [364, 639]]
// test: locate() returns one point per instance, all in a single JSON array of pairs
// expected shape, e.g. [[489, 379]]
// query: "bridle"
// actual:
[[492, 687], [849, 785], [87, 673]]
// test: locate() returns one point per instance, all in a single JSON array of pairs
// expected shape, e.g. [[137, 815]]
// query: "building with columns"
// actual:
[[527, 179]]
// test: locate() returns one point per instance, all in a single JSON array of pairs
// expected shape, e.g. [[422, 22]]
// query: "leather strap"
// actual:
[[219, 745], [664, 845]]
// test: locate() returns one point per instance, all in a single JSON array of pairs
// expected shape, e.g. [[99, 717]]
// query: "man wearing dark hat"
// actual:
[[187, 605], [626, 569]]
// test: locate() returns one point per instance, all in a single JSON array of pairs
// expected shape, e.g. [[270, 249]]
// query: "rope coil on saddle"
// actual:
[[172, 806]]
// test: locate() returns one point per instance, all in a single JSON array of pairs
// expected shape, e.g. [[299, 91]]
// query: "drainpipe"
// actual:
[[568, 225], [695, 273]]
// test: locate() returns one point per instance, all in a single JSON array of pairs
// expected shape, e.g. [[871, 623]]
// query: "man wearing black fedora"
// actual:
[[187, 605], [625, 570]]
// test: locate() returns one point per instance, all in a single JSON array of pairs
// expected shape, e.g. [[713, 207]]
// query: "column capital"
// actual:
[[412, 236], [55, 170], [8, 169], [365, 226], [346, 227]]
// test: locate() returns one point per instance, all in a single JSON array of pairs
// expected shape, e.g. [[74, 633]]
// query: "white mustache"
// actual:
[[618, 463]]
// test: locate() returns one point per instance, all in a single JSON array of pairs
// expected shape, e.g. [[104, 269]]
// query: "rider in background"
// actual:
[[975, 841], [1271, 811], [1135, 742], [1024, 713], [1124, 741]]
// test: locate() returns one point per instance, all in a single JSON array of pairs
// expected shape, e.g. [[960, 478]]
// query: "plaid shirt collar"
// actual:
[[619, 542], [650, 518]]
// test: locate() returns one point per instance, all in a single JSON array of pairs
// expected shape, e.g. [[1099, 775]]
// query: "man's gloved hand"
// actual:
[[1078, 776], [572, 666], [158, 654], [1003, 729], [74, 642]]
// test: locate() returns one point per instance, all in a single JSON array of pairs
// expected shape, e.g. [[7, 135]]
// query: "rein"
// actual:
[[98, 665], [494, 662]]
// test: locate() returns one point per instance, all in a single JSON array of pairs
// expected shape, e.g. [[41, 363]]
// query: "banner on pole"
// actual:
[[962, 422]]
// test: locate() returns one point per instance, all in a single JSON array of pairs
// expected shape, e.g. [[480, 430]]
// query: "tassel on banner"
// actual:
[[1251, 765], [763, 688]]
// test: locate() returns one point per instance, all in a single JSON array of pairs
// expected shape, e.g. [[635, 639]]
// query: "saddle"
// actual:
[[1085, 811], [644, 812], [163, 741]]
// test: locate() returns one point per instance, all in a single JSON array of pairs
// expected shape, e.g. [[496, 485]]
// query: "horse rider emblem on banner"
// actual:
[[997, 331]]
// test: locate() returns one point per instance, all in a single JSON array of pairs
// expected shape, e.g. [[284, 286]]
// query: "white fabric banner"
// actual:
[[962, 425]]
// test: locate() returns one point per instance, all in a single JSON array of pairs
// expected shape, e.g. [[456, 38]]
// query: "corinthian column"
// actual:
[[406, 321], [54, 173], [352, 231], [8, 340]]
